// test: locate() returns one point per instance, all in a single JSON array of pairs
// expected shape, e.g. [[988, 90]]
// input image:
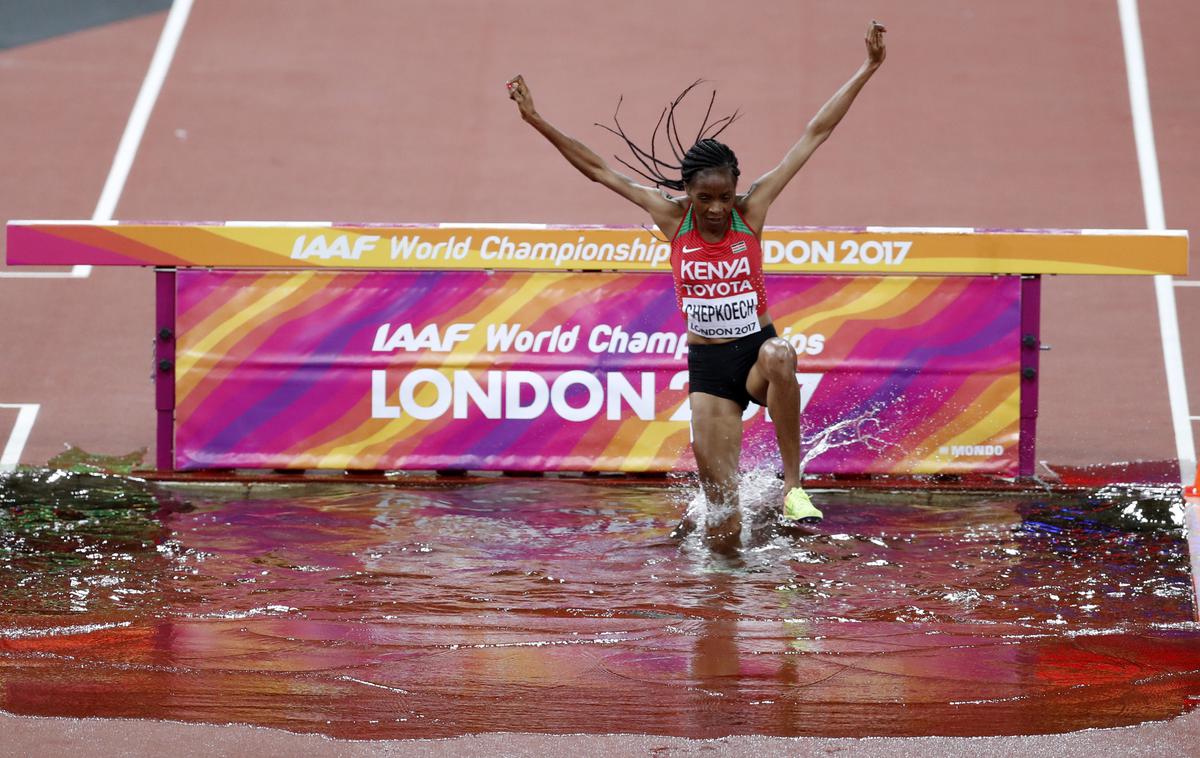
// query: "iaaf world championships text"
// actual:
[[649, 250]]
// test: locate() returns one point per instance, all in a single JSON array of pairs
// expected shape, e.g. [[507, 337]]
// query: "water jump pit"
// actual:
[[563, 606]]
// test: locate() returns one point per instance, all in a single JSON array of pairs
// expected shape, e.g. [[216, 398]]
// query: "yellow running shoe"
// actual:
[[797, 506]]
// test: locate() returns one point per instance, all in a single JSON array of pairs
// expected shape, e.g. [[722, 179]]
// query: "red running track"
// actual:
[[988, 115]]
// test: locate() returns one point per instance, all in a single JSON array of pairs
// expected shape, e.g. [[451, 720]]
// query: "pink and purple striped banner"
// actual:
[[578, 371]]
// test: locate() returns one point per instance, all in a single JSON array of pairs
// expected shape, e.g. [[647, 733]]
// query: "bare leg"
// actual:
[[774, 378], [717, 443]]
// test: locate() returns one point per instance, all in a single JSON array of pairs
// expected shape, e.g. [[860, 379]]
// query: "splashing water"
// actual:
[[760, 497], [863, 430], [760, 490]]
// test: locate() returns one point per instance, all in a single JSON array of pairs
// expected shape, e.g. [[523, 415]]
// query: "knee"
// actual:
[[777, 359]]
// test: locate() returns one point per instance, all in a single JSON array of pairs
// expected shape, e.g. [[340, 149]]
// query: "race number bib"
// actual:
[[723, 317]]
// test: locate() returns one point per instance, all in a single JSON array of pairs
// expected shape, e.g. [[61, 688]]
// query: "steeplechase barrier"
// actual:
[[539, 348]]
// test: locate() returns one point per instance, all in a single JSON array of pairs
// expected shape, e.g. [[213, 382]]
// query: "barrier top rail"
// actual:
[[843, 250]]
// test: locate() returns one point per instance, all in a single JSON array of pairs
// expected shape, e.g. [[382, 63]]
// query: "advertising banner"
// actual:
[[544, 371], [530, 247]]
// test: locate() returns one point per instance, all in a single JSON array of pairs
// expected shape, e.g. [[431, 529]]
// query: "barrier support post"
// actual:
[[164, 367], [1031, 346]]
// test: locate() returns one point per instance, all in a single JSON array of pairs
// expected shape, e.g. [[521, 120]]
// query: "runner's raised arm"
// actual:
[[762, 193], [665, 211]]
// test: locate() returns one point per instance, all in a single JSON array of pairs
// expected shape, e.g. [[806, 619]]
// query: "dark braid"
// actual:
[[706, 152]]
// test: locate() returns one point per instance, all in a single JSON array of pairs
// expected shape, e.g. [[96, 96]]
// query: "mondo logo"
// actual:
[[959, 451]]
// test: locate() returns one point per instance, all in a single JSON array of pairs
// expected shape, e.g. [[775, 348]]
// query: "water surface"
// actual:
[[563, 606]]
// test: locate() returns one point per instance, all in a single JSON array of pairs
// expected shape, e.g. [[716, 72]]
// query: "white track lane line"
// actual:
[[131, 139], [1168, 318], [26, 415]]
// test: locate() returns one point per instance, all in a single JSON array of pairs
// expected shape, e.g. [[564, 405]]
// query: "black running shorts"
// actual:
[[722, 369]]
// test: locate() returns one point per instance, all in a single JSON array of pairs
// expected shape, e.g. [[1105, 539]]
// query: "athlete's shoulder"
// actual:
[[685, 224]]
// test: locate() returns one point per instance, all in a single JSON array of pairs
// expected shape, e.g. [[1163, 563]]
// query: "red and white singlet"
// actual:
[[719, 285]]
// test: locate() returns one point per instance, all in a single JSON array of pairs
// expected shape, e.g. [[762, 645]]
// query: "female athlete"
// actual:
[[734, 355]]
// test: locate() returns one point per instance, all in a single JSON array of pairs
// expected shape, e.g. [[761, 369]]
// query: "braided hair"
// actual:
[[705, 153]]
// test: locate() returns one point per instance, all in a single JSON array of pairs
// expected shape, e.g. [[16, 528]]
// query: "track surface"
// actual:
[[985, 115]]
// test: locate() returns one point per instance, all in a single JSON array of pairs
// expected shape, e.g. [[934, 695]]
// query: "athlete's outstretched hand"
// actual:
[[518, 91], [876, 50]]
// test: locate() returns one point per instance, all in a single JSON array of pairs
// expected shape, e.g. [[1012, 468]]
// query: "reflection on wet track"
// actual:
[[563, 606]]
